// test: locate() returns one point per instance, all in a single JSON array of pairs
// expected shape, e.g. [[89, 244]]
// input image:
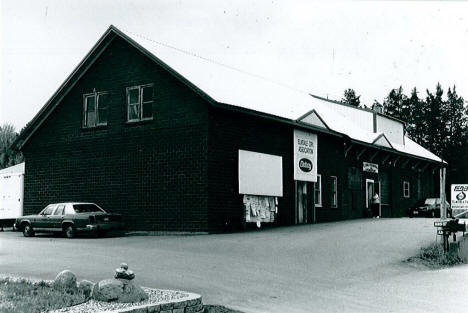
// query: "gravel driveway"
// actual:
[[350, 266]]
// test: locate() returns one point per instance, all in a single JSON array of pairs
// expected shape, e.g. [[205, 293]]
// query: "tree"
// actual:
[[395, 104], [416, 124], [435, 116], [8, 156], [351, 98]]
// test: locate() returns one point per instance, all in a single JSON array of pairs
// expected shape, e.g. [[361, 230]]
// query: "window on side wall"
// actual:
[[140, 103], [334, 192], [318, 191], [406, 189], [95, 109]]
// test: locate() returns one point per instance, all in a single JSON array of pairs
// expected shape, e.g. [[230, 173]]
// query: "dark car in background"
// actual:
[[69, 219], [429, 207]]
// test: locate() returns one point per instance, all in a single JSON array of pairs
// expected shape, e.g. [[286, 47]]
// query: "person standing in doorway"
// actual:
[[376, 206]]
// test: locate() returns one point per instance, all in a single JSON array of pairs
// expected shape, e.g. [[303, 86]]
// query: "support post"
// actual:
[[443, 211]]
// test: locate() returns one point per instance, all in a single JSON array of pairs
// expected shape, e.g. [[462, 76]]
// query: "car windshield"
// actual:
[[83, 208]]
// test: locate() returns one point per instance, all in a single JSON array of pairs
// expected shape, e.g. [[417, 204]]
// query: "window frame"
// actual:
[[334, 192], [140, 103], [52, 208], [319, 183], [406, 183], [96, 95]]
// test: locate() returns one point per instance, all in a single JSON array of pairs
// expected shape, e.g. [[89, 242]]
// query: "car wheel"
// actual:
[[28, 231], [69, 231]]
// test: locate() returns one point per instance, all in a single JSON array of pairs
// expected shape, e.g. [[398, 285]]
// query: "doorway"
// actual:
[[301, 202], [372, 188]]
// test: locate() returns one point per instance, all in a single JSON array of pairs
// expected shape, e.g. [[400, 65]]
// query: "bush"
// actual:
[[434, 256]]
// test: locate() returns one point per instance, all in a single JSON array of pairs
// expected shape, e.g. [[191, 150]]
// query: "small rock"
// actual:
[[86, 287], [123, 272], [65, 280]]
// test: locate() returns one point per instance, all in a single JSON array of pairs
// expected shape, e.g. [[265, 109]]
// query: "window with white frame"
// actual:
[[334, 192], [140, 103], [318, 191], [95, 109], [406, 189]]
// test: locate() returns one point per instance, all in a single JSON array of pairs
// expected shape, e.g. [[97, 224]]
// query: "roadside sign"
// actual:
[[459, 196], [440, 224]]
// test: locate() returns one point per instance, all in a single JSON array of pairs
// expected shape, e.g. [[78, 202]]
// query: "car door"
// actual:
[[56, 218], [43, 219]]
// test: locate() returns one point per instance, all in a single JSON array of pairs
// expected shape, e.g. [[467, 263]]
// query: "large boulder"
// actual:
[[65, 280], [86, 287], [118, 290]]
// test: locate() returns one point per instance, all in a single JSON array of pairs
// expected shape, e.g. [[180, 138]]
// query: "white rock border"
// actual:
[[185, 303], [190, 304]]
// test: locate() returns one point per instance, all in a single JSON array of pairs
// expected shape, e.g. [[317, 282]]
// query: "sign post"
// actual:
[[443, 211]]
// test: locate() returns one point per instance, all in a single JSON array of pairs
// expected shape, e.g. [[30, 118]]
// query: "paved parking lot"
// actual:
[[351, 266]]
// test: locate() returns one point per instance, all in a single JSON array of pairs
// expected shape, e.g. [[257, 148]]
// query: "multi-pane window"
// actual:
[[334, 192], [406, 189], [95, 108], [318, 191], [140, 103]]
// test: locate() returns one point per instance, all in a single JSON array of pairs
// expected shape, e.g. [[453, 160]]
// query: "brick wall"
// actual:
[[154, 173]]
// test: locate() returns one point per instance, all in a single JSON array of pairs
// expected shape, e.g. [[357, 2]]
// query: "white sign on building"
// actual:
[[305, 156], [459, 196]]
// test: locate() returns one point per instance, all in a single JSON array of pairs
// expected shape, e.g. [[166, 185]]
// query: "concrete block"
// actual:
[[154, 308], [181, 304]]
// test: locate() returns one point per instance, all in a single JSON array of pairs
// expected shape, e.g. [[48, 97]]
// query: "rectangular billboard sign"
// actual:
[[305, 156], [260, 174]]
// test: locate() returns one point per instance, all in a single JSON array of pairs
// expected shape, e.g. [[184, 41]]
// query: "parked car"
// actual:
[[69, 219], [429, 207]]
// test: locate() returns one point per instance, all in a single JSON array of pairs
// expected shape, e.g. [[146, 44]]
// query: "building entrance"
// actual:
[[372, 188], [301, 202]]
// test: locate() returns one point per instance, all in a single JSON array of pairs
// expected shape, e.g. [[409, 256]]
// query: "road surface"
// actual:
[[350, 266]]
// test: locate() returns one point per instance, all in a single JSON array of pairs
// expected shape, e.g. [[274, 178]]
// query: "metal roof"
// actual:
[[233, 88]]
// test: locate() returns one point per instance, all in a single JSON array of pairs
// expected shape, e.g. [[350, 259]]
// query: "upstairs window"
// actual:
[[140, 103], [95, 109]]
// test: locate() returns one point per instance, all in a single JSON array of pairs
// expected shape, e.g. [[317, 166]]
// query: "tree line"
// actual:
[[436, 121]]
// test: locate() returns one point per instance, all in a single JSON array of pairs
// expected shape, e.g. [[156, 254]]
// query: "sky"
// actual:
[[320, 47]]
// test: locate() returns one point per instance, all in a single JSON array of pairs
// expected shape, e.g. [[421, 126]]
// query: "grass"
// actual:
[[434, 257], [35, 297]]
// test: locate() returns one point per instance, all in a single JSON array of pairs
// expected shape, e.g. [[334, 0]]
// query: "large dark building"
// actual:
[[174, 141]]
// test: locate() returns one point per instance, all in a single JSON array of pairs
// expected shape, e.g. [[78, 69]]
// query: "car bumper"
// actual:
[[101, 227]]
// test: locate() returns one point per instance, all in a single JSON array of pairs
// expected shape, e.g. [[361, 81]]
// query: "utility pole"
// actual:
[[443, 211]]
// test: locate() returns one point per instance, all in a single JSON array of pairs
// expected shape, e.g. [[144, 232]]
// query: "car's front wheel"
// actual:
[[28, 231], [69, 231]]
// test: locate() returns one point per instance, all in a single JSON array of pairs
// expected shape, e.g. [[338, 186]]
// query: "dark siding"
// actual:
[[231, 131], [155, 173]]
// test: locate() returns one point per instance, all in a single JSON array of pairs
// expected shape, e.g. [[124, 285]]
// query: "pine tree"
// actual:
[[434, 117], [351, 98], [416, 124]]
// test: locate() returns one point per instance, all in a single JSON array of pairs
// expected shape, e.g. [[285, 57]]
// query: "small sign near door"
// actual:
[[370, 167]]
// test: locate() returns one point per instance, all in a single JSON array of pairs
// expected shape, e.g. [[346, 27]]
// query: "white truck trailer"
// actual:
[[11, 194]]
